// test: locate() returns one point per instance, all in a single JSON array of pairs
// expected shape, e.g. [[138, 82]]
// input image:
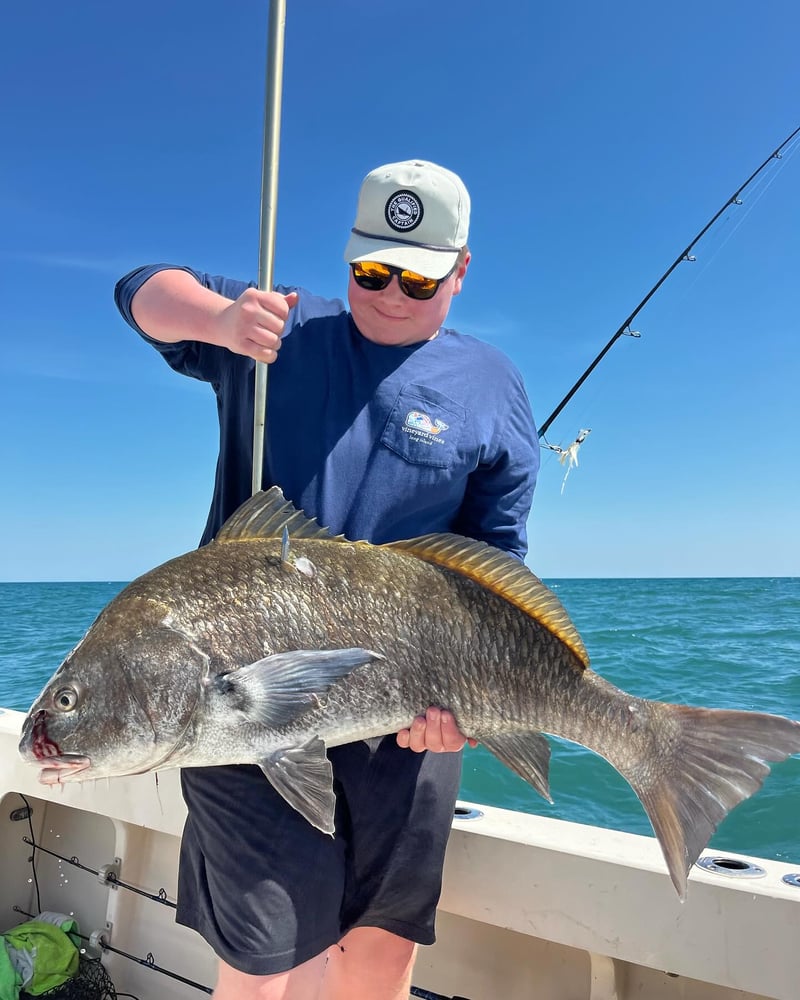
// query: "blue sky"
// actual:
[[596, 141]]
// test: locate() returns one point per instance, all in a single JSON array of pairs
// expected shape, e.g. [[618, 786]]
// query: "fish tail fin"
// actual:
[[706, 762]]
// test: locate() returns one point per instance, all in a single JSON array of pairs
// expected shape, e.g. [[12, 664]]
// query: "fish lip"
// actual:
[[37, 741], [56, 766], [64, 767]]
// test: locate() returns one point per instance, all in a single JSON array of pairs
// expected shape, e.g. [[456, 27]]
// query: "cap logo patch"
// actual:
[[403, 211]]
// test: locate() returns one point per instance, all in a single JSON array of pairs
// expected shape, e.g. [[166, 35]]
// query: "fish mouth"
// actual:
[[64, 767], [56, 767], [36, 741]]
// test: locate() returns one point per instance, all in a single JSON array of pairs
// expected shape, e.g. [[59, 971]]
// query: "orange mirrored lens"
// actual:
[[374, 276], [410, 279], [373, 269]]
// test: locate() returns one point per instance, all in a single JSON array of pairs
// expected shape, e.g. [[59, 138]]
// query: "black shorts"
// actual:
[[268, 891]]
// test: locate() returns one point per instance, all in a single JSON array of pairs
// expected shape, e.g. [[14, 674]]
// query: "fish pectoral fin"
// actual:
[[277, 689], [304, 777], [526, 753]]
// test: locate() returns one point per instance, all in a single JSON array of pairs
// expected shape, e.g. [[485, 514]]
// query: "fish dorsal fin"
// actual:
[[504, 575], [265, 515]]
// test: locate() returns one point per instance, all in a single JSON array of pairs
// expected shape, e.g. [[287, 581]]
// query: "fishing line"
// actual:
[[728, 227], [685, 256], [734, 222]]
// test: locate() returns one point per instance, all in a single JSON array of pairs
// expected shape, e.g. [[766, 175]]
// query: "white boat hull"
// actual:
[[531, 907]]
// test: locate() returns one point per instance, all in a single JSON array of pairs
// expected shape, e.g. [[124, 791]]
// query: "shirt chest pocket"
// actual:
[[425, 427]]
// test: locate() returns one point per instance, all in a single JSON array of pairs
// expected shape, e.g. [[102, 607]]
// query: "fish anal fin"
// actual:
[[266, 515], [304, 777], [528, 754], [504, 575]]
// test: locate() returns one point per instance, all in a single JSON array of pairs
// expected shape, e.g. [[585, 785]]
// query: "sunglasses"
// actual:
[[374, 277]]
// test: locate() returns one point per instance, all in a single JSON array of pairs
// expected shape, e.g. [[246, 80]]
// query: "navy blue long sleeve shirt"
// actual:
[[377, 442]]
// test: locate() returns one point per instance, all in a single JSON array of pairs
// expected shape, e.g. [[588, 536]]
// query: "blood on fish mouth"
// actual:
[[43, 747], [60, 767]]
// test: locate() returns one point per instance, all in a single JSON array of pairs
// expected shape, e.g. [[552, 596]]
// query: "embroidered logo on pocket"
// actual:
[[425, 427], [417, 422]]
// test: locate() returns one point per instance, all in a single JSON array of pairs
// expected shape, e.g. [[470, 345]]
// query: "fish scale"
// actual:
[[278, 640]]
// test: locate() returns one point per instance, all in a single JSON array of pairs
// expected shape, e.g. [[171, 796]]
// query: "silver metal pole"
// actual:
[[269, 206]]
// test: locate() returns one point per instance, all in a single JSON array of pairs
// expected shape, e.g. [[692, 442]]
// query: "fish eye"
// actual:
[[65, 699]]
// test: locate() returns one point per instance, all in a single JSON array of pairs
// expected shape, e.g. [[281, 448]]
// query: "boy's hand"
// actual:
[[253, 324], [436, 731]]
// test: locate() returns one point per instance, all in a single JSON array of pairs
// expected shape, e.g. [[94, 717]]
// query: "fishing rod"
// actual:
[[106, 874], [98, 940], [625, 328], [269, 207]]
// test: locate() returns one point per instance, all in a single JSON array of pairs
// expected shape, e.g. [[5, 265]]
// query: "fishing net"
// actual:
[[91, 982]]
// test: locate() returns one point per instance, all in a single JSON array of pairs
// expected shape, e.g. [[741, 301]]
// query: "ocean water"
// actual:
[[722, 643]]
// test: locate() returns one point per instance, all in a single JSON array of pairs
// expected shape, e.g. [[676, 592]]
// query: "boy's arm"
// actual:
[[173, 306]]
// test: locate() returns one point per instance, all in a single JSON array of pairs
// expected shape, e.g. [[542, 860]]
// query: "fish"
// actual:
[[279, 639]]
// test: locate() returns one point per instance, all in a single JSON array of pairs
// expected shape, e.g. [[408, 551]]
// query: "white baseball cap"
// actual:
[[413, 215]]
